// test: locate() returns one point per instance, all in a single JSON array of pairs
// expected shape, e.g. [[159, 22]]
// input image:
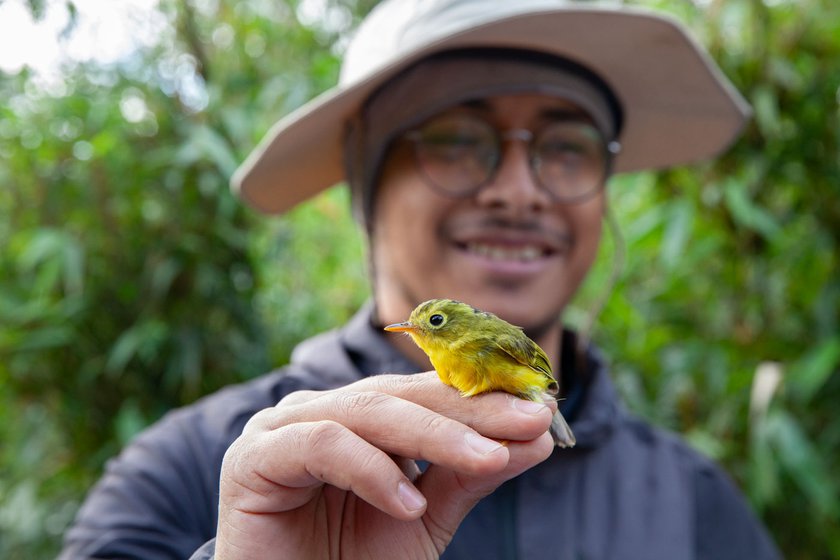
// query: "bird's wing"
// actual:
[[524, 350], [528, 353]]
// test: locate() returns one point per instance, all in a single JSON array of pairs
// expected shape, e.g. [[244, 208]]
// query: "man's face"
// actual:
[[509, 248]]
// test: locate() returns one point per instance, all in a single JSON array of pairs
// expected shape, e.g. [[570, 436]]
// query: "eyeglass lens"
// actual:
[[459, 154]]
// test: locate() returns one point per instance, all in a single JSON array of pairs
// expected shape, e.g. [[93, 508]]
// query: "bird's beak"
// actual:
[[401, 327]]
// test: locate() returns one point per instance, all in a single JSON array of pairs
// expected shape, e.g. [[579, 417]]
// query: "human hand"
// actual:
[[328, 474]]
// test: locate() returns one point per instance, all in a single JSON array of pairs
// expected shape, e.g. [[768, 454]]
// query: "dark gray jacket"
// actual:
[[626, 491]]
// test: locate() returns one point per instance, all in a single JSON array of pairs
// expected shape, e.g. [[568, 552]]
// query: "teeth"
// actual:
[[495, 252]]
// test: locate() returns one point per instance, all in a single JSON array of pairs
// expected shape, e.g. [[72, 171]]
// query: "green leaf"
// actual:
[[163, 273], [680, 220], [45, 338], [129, 421], [810, 373], [207, 144], [766, 107], [804, 463], [140, 341], [58, 255], [746, 213]]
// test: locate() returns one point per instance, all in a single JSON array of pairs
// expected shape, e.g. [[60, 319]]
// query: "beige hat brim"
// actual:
[[678, 107]]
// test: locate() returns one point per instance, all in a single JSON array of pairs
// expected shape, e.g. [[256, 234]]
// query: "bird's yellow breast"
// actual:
[[477, 367]]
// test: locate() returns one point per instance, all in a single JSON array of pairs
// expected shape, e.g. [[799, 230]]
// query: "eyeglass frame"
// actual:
[[611, 148]]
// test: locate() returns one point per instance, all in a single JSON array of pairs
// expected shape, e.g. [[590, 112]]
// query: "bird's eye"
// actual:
[[436, 320]]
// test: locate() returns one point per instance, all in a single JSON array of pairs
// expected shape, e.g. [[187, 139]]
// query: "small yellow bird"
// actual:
[[476, 351]]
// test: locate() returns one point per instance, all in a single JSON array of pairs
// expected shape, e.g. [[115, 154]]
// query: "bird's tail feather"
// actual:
[[560, 431]]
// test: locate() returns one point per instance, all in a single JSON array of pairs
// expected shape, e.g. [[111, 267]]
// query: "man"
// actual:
[[476, 136]]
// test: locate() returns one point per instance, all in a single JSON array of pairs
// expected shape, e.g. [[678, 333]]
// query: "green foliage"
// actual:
[[313, 272], [724, 324], [131, 281]]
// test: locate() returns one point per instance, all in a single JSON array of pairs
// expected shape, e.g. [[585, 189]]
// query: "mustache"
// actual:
[[502, 225]]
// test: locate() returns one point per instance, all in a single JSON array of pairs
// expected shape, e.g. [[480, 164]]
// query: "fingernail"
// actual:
[[411, 498], [528, 407], [481, 445]]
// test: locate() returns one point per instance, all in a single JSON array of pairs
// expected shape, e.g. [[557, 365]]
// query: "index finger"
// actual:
[[392, 424], [494, 414]]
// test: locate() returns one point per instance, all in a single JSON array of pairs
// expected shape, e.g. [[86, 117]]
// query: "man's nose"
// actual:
[[514, 186]]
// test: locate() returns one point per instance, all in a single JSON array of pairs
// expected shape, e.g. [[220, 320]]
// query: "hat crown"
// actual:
[[395, 28]]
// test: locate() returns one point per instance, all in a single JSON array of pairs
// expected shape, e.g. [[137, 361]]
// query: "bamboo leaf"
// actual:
[[810, 373], [747, 214]]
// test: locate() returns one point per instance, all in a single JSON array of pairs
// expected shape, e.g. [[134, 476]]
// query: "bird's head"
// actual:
[[437, 321]]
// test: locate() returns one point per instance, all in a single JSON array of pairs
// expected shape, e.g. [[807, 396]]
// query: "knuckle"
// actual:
[[261, 421], [299, 397], [324, 435], [422, 384], [354, 402], [390, 383], [336, 455], [432, 424], [401, 384], [419, 381], [290, 410]]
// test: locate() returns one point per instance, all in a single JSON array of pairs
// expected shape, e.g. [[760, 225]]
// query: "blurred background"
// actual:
[[131, 281]]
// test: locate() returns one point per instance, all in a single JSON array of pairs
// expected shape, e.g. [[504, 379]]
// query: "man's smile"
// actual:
[[525, 253], [525, 247], [511, 252]]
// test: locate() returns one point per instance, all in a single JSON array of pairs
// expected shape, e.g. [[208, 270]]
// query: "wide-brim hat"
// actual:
[[678, 107]]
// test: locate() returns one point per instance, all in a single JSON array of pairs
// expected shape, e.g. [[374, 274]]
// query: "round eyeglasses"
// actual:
[[459, 154]]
